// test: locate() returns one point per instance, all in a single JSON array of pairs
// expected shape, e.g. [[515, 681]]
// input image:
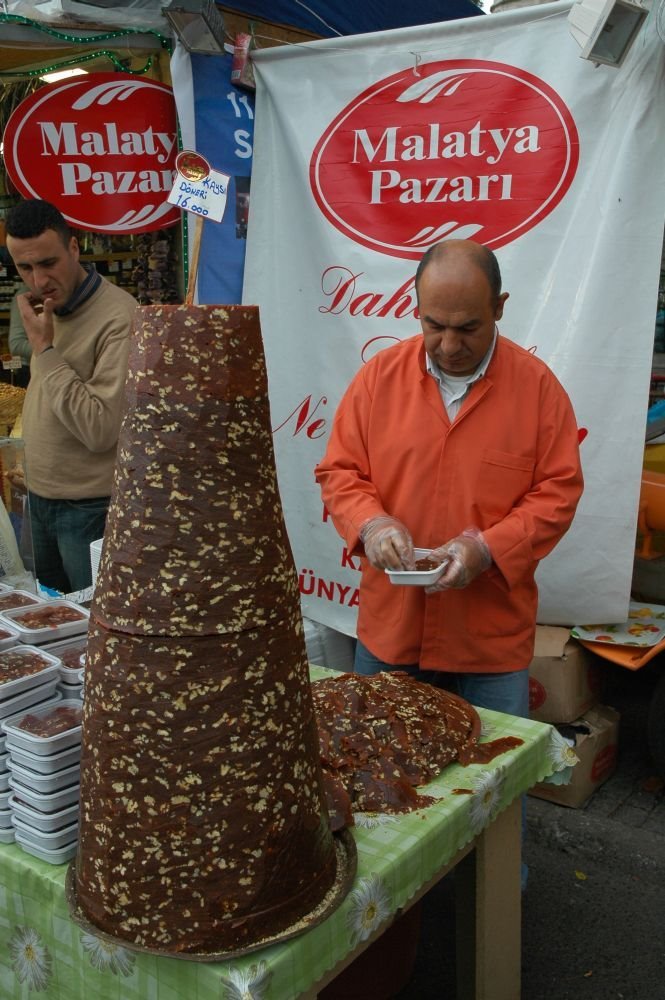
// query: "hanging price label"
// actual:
[[198, 188]]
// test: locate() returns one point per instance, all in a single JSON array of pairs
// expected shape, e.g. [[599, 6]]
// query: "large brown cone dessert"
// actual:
[[202, 825]]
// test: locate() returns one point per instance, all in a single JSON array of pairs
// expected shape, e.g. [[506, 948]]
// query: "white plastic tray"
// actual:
[[8, 636], [35, 697], [41, 820], [45, 803], [58, 857], [45, 783], [51, 840], [45, 763], [71, 691], [18, 737], [7, 836], [69, 674], [5, 819], [416, 578], [4, 799], [24, 654], [48, 633], [11, 599], [4, 780]]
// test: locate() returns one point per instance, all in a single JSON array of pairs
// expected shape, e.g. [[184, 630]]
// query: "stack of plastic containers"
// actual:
[[44, 746], [6, 828], [28, 677], [40, 748], [71, 653]]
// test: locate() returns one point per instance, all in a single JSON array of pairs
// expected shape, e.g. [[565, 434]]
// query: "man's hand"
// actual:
[[388, 544], [37, 317], [16, 478], [468, 556]]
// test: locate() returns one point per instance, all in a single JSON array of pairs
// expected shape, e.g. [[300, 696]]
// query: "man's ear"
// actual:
[[498, 312]]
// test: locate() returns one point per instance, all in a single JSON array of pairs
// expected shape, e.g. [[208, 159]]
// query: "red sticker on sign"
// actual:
[[537, 694], [100, 147], [604, 763], [467, 150]]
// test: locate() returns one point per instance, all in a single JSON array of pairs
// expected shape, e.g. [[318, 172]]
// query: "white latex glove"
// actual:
[[388, 544], [468, 556]]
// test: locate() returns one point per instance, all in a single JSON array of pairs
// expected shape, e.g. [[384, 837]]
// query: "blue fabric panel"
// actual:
[[224, 135]]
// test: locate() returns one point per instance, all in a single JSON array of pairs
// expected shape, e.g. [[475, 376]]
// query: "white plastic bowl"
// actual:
[[51, 840], [50, 633], [416, 577], [21, 654], [58, 857], [41, 820], [24, 740], [45, 784], [45, 803]]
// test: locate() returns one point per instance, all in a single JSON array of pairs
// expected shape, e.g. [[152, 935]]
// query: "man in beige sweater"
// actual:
[[78, 325]]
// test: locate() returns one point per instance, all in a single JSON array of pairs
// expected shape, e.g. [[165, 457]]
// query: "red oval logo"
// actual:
[[604, 763], [100, 147], [537, 694], [469, 149]]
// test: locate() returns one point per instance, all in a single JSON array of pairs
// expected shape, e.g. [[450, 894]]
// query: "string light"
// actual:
[[102, 53], [108, 36]]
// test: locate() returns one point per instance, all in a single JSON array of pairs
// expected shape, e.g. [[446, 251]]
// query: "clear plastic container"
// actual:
[[45, 803], [8, 636], [25, 658], [45, 763], [71, 653], [58, 857], [35, 697], [45, 783], [417, 577], [51, 840], [49, 632], [7, 836], [5, 818], [70, 691], [47, 715], [4, 799], [11, 599], [41, 820], [4, 780]]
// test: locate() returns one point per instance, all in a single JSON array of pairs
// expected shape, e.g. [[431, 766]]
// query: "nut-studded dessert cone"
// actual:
[[202, 823]]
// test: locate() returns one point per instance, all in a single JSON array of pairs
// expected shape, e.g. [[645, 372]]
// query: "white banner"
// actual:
[[368, 149]]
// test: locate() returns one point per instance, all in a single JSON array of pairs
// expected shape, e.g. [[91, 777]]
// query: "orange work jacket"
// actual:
[[509, 465]]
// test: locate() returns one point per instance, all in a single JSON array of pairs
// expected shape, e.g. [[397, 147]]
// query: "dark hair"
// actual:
[[32, 218], [478, 254]]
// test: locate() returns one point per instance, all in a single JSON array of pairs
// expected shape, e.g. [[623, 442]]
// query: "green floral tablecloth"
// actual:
[[43, 953]]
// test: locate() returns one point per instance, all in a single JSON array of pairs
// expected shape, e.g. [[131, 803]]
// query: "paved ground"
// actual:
[[594, 910]]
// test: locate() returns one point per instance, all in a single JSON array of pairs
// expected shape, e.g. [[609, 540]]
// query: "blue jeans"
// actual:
[[507, 693], [61, 534]]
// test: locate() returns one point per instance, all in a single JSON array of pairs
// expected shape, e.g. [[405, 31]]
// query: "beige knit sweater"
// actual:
[[74, 403]]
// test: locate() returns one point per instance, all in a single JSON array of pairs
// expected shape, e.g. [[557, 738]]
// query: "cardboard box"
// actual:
[[596, 742], [564, 677]]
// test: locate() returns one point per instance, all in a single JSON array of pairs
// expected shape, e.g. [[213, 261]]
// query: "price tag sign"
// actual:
[[198, 188], [11, 362]]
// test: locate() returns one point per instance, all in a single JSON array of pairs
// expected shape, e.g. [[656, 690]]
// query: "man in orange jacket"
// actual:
[[462, 442]]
